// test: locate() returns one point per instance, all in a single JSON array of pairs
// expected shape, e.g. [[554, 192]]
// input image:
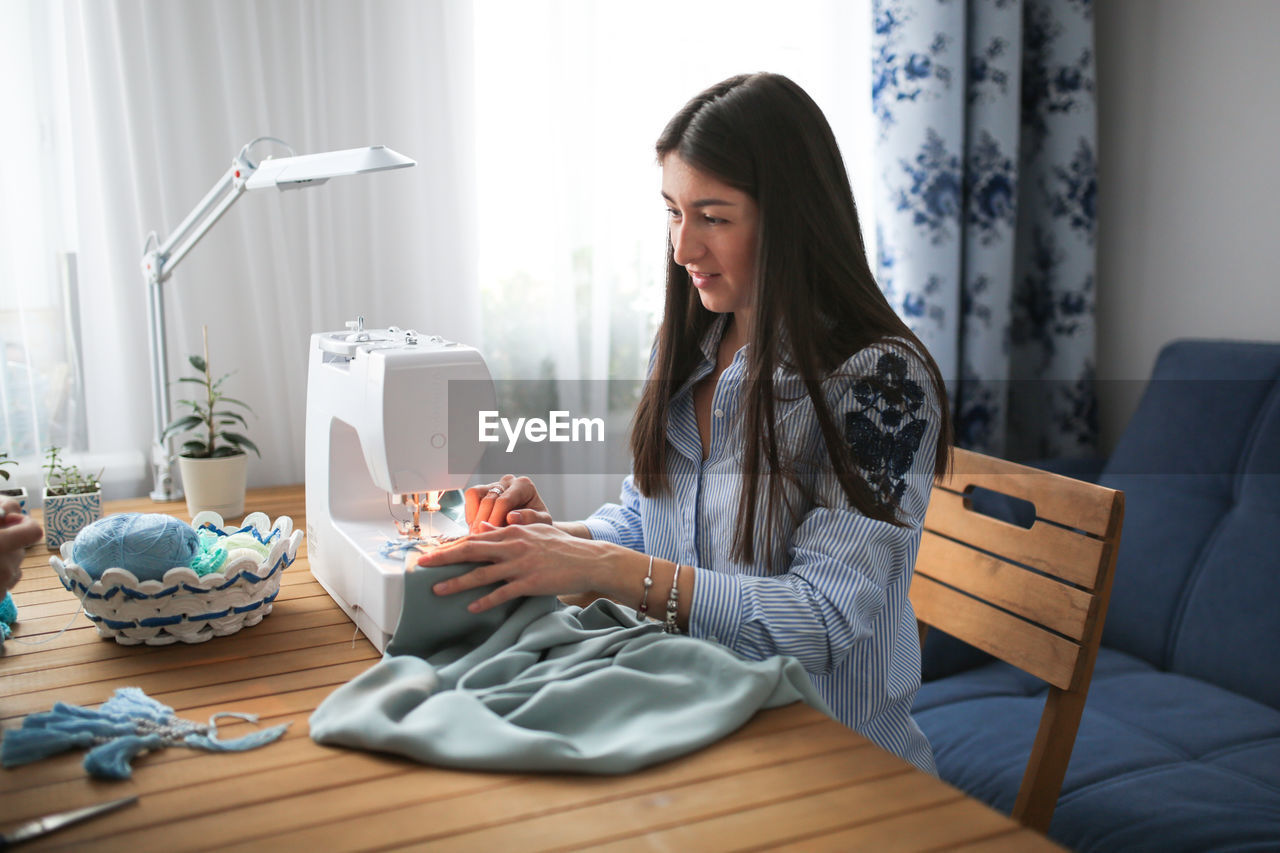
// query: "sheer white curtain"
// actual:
[[164, 94], [41, 403], [532, 224], [570, 97]]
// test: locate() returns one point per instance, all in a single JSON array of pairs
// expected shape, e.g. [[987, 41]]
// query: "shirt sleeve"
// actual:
[[848, 574], [619, 523]]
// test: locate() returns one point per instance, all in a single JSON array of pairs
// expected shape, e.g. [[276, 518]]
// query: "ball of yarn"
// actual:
[[147, 544], [8, 615]]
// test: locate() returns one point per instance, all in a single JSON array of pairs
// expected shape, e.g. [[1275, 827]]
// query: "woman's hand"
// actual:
[[511, 500], [17, 531], [528, 559]]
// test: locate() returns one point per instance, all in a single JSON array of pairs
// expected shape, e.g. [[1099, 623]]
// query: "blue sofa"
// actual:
[[1179, 745]]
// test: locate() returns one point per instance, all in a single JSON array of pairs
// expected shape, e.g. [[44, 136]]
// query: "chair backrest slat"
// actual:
[[1044, 600], [1062, 500], [1067, 554], [1034, 597], [1028, 647]]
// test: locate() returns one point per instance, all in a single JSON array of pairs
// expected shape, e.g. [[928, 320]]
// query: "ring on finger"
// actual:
[[496, 491]]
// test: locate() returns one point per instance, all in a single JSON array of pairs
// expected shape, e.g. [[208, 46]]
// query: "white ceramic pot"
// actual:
[[216, 484]]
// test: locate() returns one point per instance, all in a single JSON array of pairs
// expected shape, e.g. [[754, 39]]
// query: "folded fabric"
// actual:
[[536, 685]]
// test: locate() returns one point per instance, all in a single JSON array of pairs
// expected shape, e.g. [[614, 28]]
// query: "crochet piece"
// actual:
[[127, 725]]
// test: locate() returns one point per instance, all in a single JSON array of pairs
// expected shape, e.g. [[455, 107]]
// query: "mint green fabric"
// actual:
[[536, 685]]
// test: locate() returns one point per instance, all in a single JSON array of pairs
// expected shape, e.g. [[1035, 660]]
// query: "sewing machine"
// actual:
[[378, 457]]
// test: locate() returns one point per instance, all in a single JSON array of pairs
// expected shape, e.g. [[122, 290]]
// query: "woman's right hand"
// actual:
[[511, 500], [17, 531]]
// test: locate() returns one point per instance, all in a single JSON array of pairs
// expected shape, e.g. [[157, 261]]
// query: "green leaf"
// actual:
[[240, 441], [236, 402], [227, 450], [197, 449], [230, 418], [198, 363], [199, 382], [181, 425]]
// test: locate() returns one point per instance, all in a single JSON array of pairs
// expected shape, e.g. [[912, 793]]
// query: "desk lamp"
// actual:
[[160, 259]]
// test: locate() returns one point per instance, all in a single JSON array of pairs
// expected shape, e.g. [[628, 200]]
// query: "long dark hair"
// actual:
[[763, 135]]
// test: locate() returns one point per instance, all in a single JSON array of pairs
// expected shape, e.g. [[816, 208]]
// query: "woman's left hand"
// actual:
[[532, 559]]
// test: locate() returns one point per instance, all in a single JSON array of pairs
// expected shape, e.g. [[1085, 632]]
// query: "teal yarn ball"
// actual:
[[147, 544], [8, 615]]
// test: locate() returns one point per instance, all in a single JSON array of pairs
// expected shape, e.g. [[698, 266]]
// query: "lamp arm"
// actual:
[[159, 264]]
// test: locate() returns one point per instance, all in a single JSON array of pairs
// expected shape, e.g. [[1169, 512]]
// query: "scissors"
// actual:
[[50, 823]]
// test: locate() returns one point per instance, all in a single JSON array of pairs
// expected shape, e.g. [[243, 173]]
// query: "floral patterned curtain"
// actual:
[[987, 127]]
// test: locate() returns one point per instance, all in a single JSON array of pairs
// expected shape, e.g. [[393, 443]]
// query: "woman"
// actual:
[[787, 438]]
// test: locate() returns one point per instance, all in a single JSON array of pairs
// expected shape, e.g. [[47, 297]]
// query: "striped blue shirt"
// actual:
[[837, 600]]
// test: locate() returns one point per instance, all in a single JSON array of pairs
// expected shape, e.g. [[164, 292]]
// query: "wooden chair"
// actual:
[[1035, 598]]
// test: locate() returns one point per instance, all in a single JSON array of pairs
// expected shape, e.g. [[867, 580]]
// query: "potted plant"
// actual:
[[18, 493], [72, 499], [212, 461]]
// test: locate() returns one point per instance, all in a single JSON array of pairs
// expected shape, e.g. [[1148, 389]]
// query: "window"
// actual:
[[570, 97], [40, 379]]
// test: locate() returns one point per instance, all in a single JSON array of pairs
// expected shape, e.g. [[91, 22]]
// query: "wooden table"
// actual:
[[790, 778]]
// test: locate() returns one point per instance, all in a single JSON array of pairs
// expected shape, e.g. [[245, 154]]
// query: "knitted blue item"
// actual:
[[147, 544], [8, 615], [127, 724]]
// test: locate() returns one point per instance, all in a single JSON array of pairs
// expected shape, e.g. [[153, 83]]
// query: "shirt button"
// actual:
[[715, 639], [719, 413]]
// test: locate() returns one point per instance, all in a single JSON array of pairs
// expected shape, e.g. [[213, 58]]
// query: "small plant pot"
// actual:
[[67, 515], [215, 484], [19, 495]]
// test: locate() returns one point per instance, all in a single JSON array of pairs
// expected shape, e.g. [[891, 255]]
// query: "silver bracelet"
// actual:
[[643, 609], [673, 604]]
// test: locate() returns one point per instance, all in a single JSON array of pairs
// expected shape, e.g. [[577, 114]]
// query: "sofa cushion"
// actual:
[[1200, 467], [1228, 627], [1161, 761]]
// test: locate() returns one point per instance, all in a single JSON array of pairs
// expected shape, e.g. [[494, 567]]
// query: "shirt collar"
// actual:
[[711, 339]]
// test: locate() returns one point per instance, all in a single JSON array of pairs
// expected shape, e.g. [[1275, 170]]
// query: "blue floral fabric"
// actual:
[[986, 210]]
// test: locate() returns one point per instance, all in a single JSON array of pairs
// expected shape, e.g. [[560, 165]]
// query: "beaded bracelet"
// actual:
[[673, 604], [643, 609]]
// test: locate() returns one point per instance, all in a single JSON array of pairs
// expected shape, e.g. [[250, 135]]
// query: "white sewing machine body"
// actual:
[[377, 430]]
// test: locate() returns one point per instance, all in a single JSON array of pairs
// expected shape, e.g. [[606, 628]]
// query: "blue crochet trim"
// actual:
[[127, 725], [209, 525]]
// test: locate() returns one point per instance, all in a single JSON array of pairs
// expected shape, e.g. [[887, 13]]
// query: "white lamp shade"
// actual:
[[314, 169]]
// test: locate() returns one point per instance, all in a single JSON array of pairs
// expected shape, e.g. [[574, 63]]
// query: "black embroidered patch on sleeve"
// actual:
[[883, 429]]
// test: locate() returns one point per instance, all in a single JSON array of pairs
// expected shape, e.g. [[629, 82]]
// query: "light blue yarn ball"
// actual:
[[147, 544]]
